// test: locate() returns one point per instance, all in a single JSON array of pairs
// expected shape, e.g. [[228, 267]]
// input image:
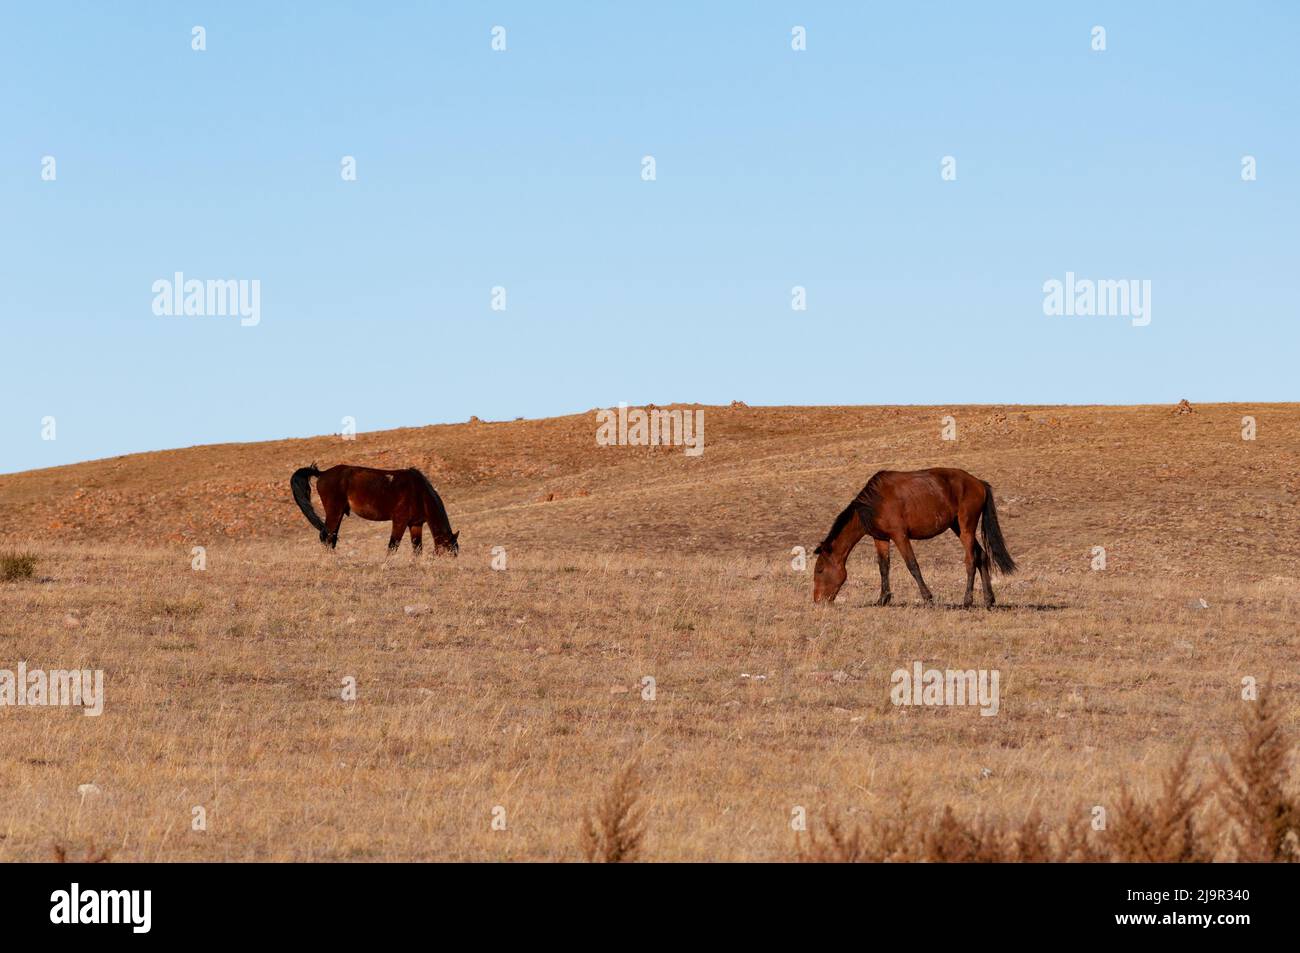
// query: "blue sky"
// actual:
[[522, 169]]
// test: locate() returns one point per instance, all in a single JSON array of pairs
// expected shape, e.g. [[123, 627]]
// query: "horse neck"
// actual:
[[439, 524], [847, 538]]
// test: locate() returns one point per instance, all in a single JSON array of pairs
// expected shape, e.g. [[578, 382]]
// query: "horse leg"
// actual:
[[976, 558], [882, 559], [416, 541], [905, 548], [395, 537], [333, 518], [972, 561], [982, 560]]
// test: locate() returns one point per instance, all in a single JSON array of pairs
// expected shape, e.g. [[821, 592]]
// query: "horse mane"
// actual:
[[864, 504], [438, 508]]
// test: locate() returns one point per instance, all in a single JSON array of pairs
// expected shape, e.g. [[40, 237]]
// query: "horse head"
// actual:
[[829, 574], [448, 544]]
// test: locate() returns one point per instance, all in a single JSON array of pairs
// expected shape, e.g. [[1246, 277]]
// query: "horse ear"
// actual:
[[818, 549]]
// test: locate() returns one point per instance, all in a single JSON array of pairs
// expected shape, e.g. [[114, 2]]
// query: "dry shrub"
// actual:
[[1163, 830], [1254, 790], [842, 846], [1258, 821], [1073, 841], [15, 566], [954, 841], [614, 832], [906, 837], [88, 856]]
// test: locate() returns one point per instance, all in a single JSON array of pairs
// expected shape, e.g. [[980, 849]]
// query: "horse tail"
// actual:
[[301, 483], [995, 546]]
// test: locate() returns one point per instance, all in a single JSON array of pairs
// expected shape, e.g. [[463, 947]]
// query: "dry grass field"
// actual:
[[518, 694]]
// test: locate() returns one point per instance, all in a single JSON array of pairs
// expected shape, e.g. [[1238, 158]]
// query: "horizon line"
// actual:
[[735, 405]]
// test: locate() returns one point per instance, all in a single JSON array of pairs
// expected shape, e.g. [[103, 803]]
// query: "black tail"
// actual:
[[995, 546], [301, 483]]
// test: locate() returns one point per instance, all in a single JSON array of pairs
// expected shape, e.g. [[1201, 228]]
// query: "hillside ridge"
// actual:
[[1183, 477]]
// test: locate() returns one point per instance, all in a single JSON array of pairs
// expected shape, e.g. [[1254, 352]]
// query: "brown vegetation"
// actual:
[[614, 832], [1256, 805], [14, 566], [223, 685]]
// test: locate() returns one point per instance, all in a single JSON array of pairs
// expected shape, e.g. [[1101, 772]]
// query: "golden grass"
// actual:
[[1251, 815], [519, 695], [523, 689]]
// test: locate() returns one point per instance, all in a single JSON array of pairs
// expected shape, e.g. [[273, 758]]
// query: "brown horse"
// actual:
[[404, 496], [900, 506]]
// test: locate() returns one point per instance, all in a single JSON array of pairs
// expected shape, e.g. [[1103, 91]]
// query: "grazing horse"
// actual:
[[404, 496], [900, 506]]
